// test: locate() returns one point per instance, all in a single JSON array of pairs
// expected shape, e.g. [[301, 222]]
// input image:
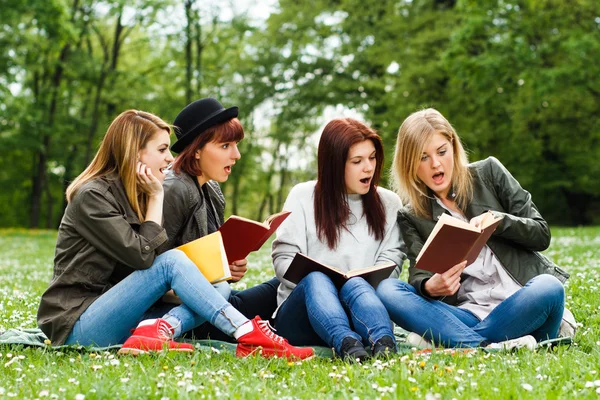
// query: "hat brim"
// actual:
[[214, 119]]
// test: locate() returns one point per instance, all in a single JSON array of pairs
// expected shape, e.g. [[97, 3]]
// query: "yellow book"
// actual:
[[208, 253]]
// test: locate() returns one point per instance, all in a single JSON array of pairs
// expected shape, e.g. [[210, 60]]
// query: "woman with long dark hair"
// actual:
[[343, 219]]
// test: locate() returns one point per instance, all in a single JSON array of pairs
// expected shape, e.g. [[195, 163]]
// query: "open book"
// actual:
[[303, 265], [452, 241], [208, 253], [241, 236]]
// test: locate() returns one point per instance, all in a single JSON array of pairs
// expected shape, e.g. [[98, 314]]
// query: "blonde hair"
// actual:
[[118, 152], [413, 135]]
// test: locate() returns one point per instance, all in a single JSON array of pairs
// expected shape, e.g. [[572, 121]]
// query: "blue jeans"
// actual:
[[535, 309], [258, 300], [316, 313], [110, 318]]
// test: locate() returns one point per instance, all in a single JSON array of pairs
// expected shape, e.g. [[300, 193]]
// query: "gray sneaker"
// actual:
[[418, 341], [523, 342]]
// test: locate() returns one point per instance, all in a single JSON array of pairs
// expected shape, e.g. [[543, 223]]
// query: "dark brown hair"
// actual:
[[331, 205], [228, 131]]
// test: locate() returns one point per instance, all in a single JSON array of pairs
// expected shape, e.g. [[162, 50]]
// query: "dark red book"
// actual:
[[303, 265], [241, 236], [452, 241]]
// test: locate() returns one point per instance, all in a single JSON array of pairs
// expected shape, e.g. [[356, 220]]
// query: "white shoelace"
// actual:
[[165, 331], [266, 327]]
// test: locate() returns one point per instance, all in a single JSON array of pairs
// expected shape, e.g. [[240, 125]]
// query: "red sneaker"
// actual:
[[264, 342], [153, 335]]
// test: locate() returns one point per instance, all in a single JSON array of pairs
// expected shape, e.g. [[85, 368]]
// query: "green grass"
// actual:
[[26, 267]]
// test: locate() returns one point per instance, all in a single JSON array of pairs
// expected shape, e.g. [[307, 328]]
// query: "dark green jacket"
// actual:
[[517, 240], [100, 242], [184, 211]]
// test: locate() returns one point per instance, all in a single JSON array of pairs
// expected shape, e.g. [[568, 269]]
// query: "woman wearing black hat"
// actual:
[[208, 135], [107, 271]]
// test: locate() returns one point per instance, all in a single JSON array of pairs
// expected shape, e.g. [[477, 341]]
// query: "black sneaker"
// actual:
[[353, 349], [384, 347]]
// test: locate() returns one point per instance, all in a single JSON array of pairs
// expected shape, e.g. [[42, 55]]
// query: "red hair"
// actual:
[[228, 131], [331, 205]]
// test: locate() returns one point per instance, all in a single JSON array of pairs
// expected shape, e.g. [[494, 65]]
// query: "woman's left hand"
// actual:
[[148, 183], [476, 221], [238, 269]]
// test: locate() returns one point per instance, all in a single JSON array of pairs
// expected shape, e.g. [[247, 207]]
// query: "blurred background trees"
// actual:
[[519, 80]]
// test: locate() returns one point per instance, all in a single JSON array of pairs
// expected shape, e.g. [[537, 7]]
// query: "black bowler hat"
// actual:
[[196, 118]]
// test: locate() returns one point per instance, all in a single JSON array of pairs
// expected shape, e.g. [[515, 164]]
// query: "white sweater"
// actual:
[[356, 248]]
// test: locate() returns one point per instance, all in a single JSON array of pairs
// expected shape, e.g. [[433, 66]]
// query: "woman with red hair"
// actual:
[[345, 220]]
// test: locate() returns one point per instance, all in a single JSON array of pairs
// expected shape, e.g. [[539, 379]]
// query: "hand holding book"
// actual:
[[452, 241], [447, 283], [238, 269]]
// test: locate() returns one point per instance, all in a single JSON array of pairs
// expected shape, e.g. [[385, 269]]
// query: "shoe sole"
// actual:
[[245, 351], [136, 352]]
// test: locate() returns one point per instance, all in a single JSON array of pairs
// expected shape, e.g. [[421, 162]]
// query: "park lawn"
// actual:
[[26, 267]]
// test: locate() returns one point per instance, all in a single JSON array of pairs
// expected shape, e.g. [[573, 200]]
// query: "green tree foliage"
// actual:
[[517, 78]]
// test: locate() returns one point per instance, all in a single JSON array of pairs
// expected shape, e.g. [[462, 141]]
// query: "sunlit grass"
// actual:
[[26, 268]]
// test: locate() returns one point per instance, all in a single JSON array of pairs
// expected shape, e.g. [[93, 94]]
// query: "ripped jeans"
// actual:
[[110, 318]]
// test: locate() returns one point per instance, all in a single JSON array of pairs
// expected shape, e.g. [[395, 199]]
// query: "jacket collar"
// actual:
[[436, 209]]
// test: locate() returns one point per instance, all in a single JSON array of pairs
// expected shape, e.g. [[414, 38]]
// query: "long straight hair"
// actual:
[[126, 136], [414, 133], [331, 204]]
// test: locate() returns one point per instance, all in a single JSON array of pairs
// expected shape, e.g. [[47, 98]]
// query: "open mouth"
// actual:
[[438, 177], [228, 169], [365, 180], [166, 169]]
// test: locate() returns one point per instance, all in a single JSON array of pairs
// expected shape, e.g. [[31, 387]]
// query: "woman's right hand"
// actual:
[[148, 183], [446, 284]]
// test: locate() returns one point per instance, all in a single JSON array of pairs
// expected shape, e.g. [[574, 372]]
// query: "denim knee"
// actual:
[[549, 287], [390, 288], [316, 278], [355, 286], [173, 256]]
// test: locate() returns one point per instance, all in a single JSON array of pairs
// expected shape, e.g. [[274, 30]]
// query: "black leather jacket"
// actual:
[[185, 213]]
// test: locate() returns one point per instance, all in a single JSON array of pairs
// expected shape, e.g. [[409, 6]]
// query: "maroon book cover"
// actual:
[[241, 236], [454, 241]]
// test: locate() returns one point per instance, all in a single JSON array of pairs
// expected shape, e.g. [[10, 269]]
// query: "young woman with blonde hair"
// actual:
[[511, 293], [107, 275], [343, 219]]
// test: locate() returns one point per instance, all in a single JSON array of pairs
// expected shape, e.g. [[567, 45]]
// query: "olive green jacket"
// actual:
[[517, 240], [100, 242], [184, 211]]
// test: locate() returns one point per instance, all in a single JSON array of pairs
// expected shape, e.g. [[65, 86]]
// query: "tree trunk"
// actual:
[[109, 67], [199, 50], [268, 197], [39, 178], [282, 182], [188, 49]]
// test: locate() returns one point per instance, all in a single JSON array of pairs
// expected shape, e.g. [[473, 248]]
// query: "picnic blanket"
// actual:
[[34, 337]]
